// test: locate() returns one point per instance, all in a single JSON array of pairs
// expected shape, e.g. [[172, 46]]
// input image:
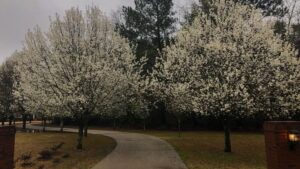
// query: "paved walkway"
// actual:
[[135, 151]]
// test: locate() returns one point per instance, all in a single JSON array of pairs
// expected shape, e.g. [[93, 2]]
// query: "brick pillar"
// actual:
[[279, 155], [7, 144]]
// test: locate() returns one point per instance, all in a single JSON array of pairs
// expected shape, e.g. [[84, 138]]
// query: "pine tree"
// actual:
[[148, 27], [268, 7]]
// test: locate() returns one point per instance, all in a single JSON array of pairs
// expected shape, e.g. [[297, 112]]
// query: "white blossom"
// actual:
[[227, 61]]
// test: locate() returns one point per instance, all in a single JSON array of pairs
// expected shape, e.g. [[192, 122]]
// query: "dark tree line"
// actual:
[[268, 7]]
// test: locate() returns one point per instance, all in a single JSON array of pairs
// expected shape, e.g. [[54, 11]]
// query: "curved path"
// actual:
[[135, 151]]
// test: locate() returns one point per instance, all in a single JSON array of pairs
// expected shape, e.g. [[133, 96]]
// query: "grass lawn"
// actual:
[[204, 150], [96, 147]]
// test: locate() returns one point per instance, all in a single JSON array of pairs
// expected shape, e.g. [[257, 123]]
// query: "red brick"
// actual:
[[279, 155], [7, 143]]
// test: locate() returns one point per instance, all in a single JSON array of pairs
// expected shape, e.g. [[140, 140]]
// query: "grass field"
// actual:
[[204, 150], [30, 145]]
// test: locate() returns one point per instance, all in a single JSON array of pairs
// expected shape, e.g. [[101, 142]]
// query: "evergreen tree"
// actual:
[[148, 27], [268, 7]]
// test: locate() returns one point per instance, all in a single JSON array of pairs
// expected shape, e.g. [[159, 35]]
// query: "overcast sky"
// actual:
[[17, 16]]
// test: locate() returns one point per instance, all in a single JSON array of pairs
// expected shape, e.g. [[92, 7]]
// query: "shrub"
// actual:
[[25, 156], [27, 164], [25, 160], [45, 155]]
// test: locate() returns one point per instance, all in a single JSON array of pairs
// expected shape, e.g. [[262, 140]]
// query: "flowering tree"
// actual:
[[131, 95], [2, 115], [171, 83], [288, 81], [138, 95], [139, 106], [227, 61], [32, 102], [77, 65], [172, 87], [6, 90], [8, 80], [24, 103], [115, 109]]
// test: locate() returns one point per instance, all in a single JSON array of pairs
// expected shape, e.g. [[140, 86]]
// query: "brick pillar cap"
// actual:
[[281, 125], [7, 130]]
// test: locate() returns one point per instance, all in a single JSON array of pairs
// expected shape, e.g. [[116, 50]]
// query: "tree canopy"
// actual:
[[77, 66], [231, 63], [148, 26], [268, 7]]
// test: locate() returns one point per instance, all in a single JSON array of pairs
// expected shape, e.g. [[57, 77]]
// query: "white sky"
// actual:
[[17, 16]]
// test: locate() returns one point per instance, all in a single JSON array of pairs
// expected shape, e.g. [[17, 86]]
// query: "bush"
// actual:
[[25, 156], [45, 155], [25, 159], [27, 164]]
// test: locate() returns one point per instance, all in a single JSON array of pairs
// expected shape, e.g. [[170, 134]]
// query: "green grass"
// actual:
[[204, 150], [96, 147]]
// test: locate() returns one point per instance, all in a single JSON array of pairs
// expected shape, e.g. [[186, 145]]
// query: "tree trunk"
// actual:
[[61, 124], [115, 124], [179, 127], [24, 118], [10, 120], [144, 124], [164, 115], [3, 122], [80, 136], [44, 124], [86, 127], [227, 147]]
